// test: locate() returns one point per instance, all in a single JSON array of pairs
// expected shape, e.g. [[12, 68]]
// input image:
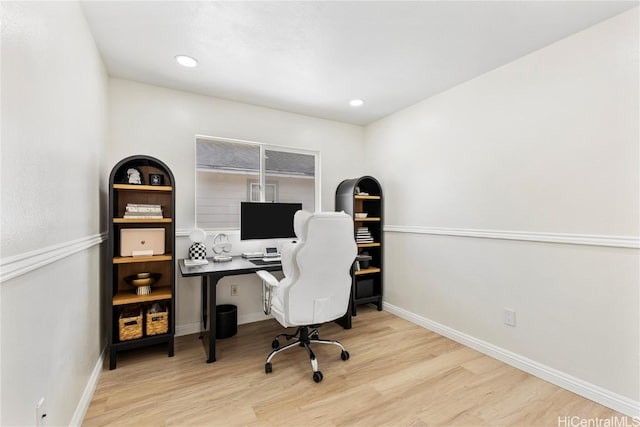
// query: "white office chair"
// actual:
[[317, 283]]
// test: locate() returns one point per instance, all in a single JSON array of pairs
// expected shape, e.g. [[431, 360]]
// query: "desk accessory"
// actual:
[[250, 255], [142, 282], [197, 250], [156, 179], [363, 259], [194, 262], [221, 244], [222, 258], [134, 176], [142, 241], [271, 252]]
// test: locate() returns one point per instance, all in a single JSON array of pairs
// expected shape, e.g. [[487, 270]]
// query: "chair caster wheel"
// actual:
[[344, 355], [267, 368], [275, 344], [317, 376]]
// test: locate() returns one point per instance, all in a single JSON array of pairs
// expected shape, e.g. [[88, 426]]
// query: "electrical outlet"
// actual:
[[509, 317], [234, 290], [41, 413]]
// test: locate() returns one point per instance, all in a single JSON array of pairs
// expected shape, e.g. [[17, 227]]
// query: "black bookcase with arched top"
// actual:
[[363, 200], [141, 199]]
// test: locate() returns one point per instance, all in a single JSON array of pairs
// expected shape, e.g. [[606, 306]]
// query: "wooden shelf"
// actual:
[[366, 197], [369, 270], [143, 341], [138, 187], [134, 259], [368, 245], [157, 294], [366, 219], [372, 299], [141, 220]]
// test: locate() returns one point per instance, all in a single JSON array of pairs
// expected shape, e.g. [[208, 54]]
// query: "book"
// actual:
[[142, 208], [144, 204], [143, 211], [363, 235], [142, 216]]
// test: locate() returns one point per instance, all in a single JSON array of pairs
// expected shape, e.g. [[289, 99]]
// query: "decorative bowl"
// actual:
[[142, 281], [361, 214]]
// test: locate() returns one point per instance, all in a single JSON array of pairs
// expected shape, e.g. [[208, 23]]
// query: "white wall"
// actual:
[[163, 123], [544, 148], [54, 95]]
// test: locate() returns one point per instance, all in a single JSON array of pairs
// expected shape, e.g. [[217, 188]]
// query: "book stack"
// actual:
[[363, 235], [142, 211]]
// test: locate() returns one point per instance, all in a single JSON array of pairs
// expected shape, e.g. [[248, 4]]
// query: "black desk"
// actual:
[[211, 273]]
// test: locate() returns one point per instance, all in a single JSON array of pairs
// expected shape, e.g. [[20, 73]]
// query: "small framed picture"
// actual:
[[156, 179], [134, 176]]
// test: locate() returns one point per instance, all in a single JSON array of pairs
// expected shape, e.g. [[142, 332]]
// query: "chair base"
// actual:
[[304, 336]]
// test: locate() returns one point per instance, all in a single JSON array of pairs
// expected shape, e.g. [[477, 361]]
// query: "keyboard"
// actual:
[[272, 259]]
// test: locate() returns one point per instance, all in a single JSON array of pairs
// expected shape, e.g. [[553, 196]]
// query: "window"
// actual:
[[228, 172], [270, 192]]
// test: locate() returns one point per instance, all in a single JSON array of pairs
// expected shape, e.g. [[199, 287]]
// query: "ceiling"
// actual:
[[312, 57]]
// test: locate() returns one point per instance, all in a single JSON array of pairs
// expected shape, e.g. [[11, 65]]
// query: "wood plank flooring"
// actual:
[[399, 374]]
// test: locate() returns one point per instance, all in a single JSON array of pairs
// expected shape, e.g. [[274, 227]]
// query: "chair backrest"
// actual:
[[317, 268]]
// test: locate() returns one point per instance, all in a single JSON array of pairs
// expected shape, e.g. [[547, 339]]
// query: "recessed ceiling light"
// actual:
[[356, 102], [186, 61]]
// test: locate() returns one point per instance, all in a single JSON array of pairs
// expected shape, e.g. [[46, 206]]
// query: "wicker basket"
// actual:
[[130, 323], [158, 322]]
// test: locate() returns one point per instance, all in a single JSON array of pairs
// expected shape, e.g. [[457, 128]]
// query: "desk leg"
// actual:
[[345, 321], [209, 284], [204, 303]]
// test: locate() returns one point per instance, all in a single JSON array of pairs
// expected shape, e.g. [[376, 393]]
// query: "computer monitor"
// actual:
[[267, 220]]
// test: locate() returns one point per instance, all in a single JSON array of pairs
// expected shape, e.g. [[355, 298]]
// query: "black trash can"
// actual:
[[226, 320]]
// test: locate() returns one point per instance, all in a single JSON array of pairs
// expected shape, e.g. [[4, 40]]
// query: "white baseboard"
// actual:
[[590, 391], [194, 328], [188, 329], [253, 317], [87, 394]]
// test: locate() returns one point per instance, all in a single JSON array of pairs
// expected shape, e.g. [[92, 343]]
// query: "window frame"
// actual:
[[262, 175]]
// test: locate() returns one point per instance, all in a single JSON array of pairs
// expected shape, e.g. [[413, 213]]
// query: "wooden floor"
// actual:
[[399, 374]]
